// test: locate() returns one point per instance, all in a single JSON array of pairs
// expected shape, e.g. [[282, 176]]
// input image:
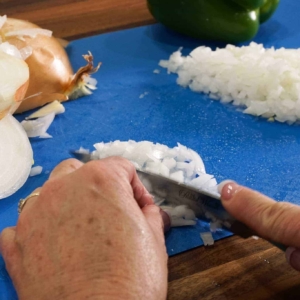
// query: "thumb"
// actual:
[[272, 220], [7, 241], [9, 250], [158, 220], [65, 167]]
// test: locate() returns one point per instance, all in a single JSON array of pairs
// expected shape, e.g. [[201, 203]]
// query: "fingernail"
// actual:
[[166, 220], [227, 189], [288, 253], [293, 257]]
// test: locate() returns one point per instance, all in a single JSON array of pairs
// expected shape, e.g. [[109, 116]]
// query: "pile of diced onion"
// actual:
[[265, 81], [179, 163]]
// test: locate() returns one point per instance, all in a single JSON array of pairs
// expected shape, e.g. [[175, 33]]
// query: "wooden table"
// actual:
[[233, 268]]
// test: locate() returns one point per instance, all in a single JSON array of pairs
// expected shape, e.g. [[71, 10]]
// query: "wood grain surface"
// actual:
[[231, 269], [72, 19]]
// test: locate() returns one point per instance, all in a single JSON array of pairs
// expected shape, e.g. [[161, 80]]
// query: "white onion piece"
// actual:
[[14, 74], [207, 238], [38, 127], [54, 107], [25, 52], [46, 135], [2, 20], [10, 49], [16, 156], [31, 32], [37, 170]]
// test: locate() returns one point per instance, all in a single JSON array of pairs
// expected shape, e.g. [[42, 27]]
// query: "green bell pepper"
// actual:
[[230, 21]]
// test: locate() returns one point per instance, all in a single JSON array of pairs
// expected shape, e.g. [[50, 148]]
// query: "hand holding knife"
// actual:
[[202, 203]]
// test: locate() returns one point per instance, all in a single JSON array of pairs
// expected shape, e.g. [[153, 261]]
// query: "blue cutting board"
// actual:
[[252, 151]]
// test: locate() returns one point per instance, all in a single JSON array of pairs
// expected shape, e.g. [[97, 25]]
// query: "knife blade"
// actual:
[[205, 205]]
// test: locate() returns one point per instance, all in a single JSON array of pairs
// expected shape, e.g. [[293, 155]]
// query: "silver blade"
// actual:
[[205, 205]]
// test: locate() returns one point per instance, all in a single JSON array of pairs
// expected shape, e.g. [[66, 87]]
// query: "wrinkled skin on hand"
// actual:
[[92, 233], [272, 220]]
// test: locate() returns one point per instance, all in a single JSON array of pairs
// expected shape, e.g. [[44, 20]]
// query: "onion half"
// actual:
[[16, 156]]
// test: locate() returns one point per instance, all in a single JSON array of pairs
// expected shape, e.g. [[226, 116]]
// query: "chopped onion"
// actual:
[[54, 107], [264, 81], [16, 156], [38, 127], [37, 170], [207, 238]]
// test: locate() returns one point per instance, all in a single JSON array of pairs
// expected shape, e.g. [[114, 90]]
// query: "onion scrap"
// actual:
[[51, 75]]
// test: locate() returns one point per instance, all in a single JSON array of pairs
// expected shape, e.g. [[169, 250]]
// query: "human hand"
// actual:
[[92, 233], [272, 220]]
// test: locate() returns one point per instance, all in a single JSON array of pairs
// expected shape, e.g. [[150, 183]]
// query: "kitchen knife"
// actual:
[[205, 205]]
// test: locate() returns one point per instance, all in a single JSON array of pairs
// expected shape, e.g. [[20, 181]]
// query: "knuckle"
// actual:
[[95, 172], [120, 162], [96, 168], [72, 163], [153, 209], [50, 192], [110, 166]]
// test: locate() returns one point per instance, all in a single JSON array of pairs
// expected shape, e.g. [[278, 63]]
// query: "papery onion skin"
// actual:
[[19, 96], [50, 68]]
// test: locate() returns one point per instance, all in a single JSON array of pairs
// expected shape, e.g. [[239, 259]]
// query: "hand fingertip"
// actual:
[[222, 184], [227, 189], [288, 253], [293, 257], [166, 220]]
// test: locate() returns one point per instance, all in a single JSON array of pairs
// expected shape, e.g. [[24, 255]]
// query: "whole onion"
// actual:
[[51, 75]]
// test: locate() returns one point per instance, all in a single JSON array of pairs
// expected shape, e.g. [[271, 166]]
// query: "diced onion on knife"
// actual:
[[179, 163]]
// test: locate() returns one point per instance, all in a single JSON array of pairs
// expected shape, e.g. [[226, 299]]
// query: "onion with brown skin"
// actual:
[[51, 75]]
